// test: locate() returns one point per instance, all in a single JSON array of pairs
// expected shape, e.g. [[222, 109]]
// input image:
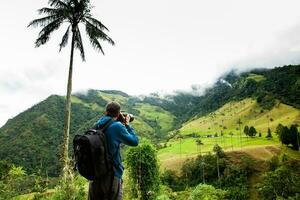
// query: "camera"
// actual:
[[122, 117]]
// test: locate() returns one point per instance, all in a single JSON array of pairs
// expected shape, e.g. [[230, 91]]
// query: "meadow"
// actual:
[[178, 150]]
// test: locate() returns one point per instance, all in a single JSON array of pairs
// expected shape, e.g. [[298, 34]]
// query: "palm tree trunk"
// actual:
[[65, 158]]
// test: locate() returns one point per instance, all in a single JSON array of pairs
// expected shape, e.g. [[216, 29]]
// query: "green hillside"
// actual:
[[223, 124], [182, 126], [264, 85], [260, 98], [249, 112], [162, 121], [33, 138]]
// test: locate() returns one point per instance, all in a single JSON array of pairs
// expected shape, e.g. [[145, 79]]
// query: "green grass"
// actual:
[[251, 114], [141, 127], [30, 196], [178, 150], [154, 113], [188, 146], [112, 97], [256, 77], [291, 153], [225, 120], [94, 106]]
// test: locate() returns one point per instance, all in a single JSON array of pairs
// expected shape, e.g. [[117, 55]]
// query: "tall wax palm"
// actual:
[[73, 13]]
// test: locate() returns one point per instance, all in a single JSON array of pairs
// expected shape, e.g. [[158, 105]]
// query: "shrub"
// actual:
[[170, 178], [207, 192], [143, 171], [71, 188], [283, 182]]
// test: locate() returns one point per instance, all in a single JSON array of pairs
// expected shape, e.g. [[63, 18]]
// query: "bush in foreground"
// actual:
[[207, 192]]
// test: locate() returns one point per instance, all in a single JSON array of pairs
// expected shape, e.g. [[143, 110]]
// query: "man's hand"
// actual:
[[127, 119]]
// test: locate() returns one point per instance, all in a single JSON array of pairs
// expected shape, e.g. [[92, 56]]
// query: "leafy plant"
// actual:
[[143, 171], [207, 192]]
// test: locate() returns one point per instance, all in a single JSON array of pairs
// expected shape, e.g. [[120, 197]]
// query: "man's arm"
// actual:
[[127, 135]]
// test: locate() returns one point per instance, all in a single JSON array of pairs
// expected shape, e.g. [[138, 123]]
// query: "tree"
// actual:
[[246, 130], [279, 131], [11, 184], [252, 131], [219, 154], [281, 183], [170, 178], [143, 171], [239, 122], [285, 136], [72, 12], [294, 136], [269, 135], [199, 143], [218, 151]]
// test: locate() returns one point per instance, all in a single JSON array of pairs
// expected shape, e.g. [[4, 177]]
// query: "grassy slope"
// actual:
[[256, 77], [112, 97], [156, 114], [147, 112], [94, 106], [173, 156], [250, 114]]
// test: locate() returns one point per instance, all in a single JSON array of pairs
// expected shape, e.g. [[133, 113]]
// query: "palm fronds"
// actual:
[[59, 4], [65, 39], [95, 34], [78, 43], [44, 21], [73, 12], [96, 23], [45, 33]]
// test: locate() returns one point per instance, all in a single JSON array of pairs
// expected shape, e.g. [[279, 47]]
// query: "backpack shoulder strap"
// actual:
[[107, 124]]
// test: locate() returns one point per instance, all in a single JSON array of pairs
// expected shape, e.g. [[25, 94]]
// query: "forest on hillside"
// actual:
[[174, 161]]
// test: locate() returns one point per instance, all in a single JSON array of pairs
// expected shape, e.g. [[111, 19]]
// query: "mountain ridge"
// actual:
[[32, 139]]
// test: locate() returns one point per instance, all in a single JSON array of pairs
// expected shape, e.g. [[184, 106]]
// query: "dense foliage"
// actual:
[[33, 138], [15, 181], [207, 192], [216, 170], [281, 182], [289, 136], [143, 171]]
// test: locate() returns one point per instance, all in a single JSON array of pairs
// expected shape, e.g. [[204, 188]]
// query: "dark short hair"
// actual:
[[113, 109]]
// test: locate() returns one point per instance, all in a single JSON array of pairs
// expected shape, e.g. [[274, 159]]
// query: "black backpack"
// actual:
[[91, 156]]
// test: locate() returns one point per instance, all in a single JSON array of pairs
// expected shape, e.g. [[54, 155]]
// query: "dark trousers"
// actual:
[[109, 189]]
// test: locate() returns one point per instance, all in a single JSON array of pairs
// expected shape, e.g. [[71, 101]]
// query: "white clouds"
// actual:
[[160, 46]]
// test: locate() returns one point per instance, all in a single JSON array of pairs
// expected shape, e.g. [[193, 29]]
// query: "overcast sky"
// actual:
[[161, 45]]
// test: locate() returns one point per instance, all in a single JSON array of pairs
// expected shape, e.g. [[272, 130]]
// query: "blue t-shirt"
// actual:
[[116, 134]]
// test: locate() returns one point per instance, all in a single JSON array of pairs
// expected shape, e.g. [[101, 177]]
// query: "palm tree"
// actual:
[[199, 143], [239, 122], [72, 12]]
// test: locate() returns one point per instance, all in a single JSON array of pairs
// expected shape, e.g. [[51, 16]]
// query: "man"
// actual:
[[116, 133]]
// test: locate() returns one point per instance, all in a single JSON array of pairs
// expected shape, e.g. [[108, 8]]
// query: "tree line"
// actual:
[[289, 136]]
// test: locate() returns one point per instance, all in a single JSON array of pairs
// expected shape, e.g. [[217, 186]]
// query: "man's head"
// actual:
[[113, 109]]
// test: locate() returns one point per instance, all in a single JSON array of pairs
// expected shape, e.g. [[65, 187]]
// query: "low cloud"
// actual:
[[283, 49]]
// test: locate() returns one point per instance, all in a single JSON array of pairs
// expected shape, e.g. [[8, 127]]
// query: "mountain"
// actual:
[[248, 112], [263, 85], [33, 138]]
